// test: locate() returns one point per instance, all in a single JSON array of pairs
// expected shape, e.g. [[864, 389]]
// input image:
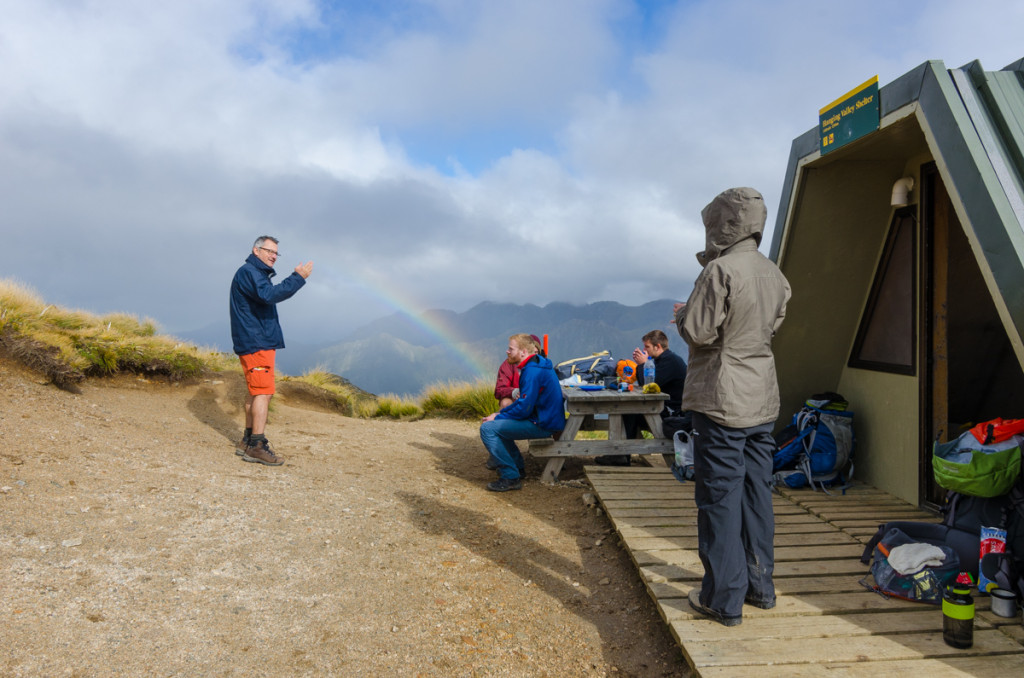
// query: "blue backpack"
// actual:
[[816, 449]]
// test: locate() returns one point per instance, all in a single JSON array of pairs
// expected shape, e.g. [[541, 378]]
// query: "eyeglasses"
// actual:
[[274, 252]]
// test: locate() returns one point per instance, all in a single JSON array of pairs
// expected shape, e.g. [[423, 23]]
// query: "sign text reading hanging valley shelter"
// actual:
[[849, 117]]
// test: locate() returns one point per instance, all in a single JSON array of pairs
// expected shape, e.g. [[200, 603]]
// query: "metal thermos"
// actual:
[[958, 616]]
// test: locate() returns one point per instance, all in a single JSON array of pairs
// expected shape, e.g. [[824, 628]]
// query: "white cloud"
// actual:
[[143, 146]]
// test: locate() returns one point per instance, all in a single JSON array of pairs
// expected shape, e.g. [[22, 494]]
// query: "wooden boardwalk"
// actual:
[[825, 622]]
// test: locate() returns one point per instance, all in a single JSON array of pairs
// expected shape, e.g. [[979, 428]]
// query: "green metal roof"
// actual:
[[975, 130]]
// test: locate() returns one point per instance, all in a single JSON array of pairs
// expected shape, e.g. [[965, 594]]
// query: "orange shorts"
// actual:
[[259, 372]]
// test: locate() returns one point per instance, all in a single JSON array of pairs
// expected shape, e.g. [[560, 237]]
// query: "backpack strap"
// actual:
[[869, 549], [952, 502]]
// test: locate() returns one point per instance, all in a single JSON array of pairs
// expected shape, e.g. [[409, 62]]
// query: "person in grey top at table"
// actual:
[[737, 305]]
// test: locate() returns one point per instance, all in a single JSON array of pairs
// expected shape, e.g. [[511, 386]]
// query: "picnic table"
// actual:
[[582, 406]]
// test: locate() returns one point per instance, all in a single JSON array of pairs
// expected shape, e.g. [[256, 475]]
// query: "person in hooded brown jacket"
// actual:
[[737, 304]]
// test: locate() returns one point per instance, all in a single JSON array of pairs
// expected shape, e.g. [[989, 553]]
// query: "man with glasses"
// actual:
[[256, 335]]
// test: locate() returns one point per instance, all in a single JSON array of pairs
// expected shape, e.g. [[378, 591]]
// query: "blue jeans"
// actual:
[[735, 523], [499, 438]]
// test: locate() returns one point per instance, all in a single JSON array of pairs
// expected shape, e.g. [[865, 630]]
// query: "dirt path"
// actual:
[[134, 542]]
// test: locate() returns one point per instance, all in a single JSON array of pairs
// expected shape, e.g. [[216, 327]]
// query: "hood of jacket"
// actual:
[[537, 360], [733, 216]]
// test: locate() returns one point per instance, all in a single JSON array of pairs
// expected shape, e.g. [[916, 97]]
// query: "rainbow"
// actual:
[[402, 302]]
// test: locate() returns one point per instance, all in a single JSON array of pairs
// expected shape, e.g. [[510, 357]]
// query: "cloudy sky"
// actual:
[[423, 153]]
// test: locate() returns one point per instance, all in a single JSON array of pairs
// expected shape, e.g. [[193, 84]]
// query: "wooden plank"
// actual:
[[833, 626], [821, 531], [677, 493], [983, 606], [881, 515], [827, 500], [689, 560], [606, 471], [677, 516], [1014, 632], [861, 527], [797, 519], [784, 587], [759, 652], [824, 544], [947, 667], [810, 604], [665, 573], [681, 526], [687, 503], [654, 477], [688, 530], [849, 510], [543, 447], [636, 517], [861, 533], [680, 491], [854, 493], [613, 409], [851, 551], [686, 558]]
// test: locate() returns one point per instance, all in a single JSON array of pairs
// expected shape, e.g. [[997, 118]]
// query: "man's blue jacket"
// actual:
[[540, 396], [254, 324]]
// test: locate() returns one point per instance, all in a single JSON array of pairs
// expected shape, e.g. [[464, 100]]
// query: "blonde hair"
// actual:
[[525, 342]]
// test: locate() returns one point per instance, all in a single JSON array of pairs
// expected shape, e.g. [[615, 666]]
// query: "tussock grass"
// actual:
[[356, 402], [394, 407], [459, 400], [453, 400], [352, 400], [70, 345]]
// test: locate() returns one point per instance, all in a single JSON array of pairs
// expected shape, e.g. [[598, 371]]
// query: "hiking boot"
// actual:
[[505, 484], [261, 453], [241, 445], [695, 603], [763, 604], [491, 464], [612, 460]]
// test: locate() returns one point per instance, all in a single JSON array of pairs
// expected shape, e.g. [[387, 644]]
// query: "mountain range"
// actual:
[[402, 353]]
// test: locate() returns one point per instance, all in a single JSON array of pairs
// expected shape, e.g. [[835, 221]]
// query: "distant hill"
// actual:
[[402, 354]]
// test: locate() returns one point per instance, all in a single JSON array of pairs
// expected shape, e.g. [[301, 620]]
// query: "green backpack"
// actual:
[[968, 466]]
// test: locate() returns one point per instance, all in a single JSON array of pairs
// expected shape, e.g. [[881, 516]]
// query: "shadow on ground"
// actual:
[[608, 593]]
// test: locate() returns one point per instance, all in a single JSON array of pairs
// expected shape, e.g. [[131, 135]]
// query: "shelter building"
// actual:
[[905, 249]]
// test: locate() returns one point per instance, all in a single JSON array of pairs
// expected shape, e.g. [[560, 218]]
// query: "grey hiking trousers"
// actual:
[[735, 523]]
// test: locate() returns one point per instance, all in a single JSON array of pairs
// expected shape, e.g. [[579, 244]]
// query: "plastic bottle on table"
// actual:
[[649, 371]]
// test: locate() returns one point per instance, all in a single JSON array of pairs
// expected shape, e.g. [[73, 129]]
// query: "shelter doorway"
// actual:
[[969, 371]]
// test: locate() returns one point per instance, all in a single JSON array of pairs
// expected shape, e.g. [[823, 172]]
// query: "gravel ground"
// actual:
[[134, 542]]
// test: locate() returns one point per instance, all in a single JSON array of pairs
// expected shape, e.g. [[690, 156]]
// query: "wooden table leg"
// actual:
[[654, 424], [616, 430], [551, 470], [554, 466]]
